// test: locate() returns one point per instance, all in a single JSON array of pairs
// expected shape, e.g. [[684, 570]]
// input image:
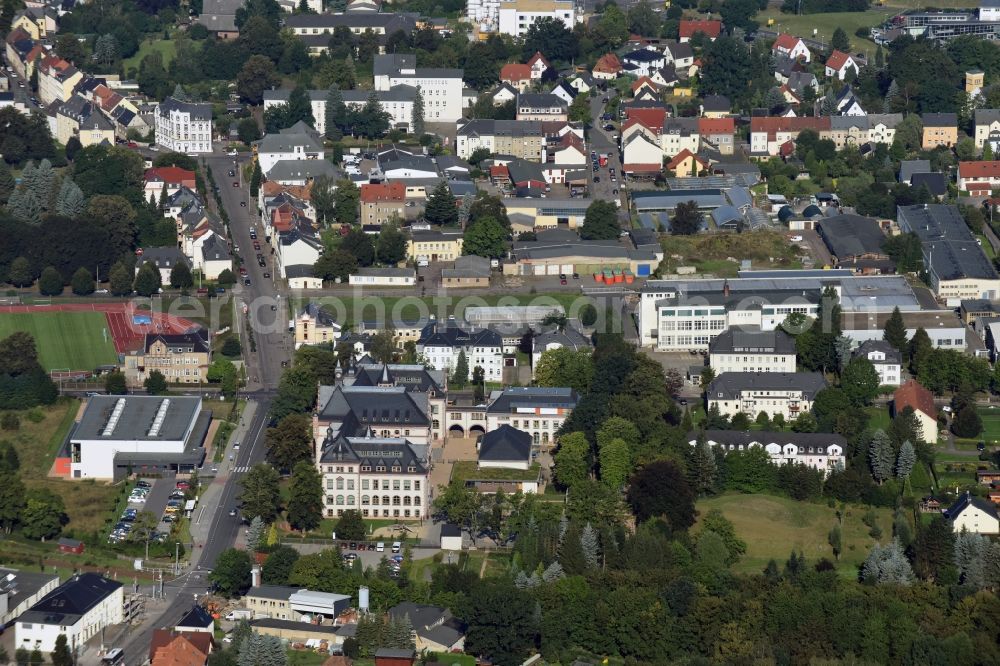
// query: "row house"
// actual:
[[56, 79], [441, 343], [381, 203], [541, 107], [397, 101], [273, 194], [768, 135], [522, 139], [183, 126], [82, 119], [940, 129], [23, 52], [858, 130], [987, 123], [645, 144], [38, 22], [820, 451], [720, 132]]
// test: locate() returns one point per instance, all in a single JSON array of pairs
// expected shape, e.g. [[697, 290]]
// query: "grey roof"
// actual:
[[21, 585], [434, 235], [598, 249], [680, 51], [386, 455], [752, 340], [511, 128], [301, 170], [69, 602], [215, 249], [508, 400], [370, 405], [818, 441], [468, 266], [450, 334], [887, 119], [716, 103], [936, 183], [220, 15], [162, 257], [987, 116], [136, 418], [909, 167], [191, 342], [851, 235], [540, 101], [285, 142], [948, 244], [196, 617], [505, 444], [431, 622], [568, 338], [726, 216], [522, 171], [939, 119], [967, 500], [277, 592], [799, 81], [386, 272], [292, 626], [392, 64], [299, 271], [394, 653], [705, 198], [892, 355], [411, 377], [197, 111], [729, 385]]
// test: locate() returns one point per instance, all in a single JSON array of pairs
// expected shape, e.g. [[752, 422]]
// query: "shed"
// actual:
[[394, 657], [812, 210], [785, 213], [451, 537], [70, 546]]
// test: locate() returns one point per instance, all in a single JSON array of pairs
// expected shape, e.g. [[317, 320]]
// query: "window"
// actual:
[[416, 485], [340, 483], [340, 500], [365, 500], [350, 500]]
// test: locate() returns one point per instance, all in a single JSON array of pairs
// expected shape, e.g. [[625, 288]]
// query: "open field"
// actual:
[[71, 340], [714, 253], [166, 48], [87, 502], [824, 24], [773, 526]]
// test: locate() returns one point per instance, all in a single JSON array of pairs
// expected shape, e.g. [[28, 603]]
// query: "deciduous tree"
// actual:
[[260, 495], [660, 490], [305, 497]]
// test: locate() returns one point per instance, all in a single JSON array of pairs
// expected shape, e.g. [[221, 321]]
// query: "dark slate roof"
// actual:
[[892, 355], [643, 55], [135, 418], [716, 103], [394, 653], [430, 622], [851, 235], [729, 385], [752, 340], [69, 602], [319, 315], [569, 338], [939, 119], [936, 183], [279, 592], [522, 171], [197, 111], [450, 530], [907, 169], [299, 271], [395, 454], [410, 377], [954, 253], [819, 441], [510, 399], [505, 444], [193, 341], [162, 257], [436, 334], [196, 617], [967, 500], [375, 406], [539, 101]]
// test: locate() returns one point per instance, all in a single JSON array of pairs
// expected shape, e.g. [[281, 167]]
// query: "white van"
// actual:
[[380, 547], [396, 546]]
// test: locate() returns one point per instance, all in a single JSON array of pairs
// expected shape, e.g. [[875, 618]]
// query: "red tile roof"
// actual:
[[171, 174], [641, 81], [684, 155], [837, 60], [167, 644], [710, 28], [652, 118], [786, 42], [608, 63], [912, 394], [981, 169], [642, 168], [535, 58], [372, 192], [515, 71], [716, 126], [773, 125]]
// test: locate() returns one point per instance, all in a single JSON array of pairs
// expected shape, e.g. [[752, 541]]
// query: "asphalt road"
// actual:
[[273, 345]]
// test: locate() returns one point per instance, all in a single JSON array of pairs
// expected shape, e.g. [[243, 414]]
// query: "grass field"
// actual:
[[824, 24], [714, 253], [772, 526], [166, 48], [73, 340]]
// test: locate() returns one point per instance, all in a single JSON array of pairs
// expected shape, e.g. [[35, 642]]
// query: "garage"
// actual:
[[553, 269], [642, 270], [567, 269]]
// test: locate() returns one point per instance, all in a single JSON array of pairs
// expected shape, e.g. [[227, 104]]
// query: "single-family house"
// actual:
[[940, 129], [689, 28], [791, 47], [886, 359], [840, 63], [921, 401], [607, 68], [973, 514], [516, 75]]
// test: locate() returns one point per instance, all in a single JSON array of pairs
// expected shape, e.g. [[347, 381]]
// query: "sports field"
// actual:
[[65, 340]]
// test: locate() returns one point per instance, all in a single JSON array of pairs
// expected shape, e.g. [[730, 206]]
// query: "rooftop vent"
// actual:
[[116, 414], [161, 415]]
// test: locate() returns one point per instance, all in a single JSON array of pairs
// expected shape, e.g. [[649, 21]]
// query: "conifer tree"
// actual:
[[880, 456], [417, 119]]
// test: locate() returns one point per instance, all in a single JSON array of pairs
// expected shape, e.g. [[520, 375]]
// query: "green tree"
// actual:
[[156, 383], [226, 278], [895, 331], [147, 280], [661, 489], [835, 541], [616, 463], [351, 526], [51, 282], [687, 219], [501, 620], [600, 221], [860, 381], [255, 179], [247, 130], [43, 516], [460, 375], [12, 500], [717, 523], [359, 245], [703, 470], [726, 68], [905, 461], [257, 75], [579, 110], [335, 114], [336, 264], [231, 573], [390, 248], [289, 442], [840, 41], [565, 367], [880, 456], [19, 273], [305, 497], [417, 116], [61, 656], [82, 282], [180, 276], [441, 208], [345, 202], [967, 422], [114, 383], [486, 238], [260, 495], [572, 459]]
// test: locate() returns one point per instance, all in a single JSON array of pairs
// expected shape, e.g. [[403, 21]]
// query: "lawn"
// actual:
[[164, 47], [991, 424], [87, 502], [824, 24], [449, 659], [65, 340], [715, 253], [773, 526], [879, 417], [305, 658]]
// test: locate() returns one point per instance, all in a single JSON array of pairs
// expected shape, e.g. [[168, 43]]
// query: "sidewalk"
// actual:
[[208, 503]]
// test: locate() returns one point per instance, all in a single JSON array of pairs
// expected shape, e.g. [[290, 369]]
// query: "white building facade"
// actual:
[[184, 127]]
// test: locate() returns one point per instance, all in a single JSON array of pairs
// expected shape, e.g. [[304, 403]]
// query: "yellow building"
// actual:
[[940, 129], [182, 358], [314, 326], [427, 246], [39, 23], [974, 80]]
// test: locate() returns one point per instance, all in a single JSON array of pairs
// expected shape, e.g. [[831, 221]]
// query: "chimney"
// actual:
[[255, 576], [725, 288]]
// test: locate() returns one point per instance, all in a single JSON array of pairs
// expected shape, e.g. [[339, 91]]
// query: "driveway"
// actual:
[[156, 500]]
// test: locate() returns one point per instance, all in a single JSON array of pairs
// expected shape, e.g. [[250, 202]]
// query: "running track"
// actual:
[[124, 333]]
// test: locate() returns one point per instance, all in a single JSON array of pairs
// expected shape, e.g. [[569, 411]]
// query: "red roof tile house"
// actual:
[[608, 67], [791, 47], [186, 648], [686, 164], [840, 63], [978, 178], [538, 65], [382, 202], [688, 29], [172, 178], [913, 395], [719, 132], [768, 134], [517, 75]]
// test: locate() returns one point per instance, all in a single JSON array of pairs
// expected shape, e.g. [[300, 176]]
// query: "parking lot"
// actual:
[[150, 496]]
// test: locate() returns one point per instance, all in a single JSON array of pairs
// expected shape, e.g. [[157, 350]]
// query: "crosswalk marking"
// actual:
[[242, 469]]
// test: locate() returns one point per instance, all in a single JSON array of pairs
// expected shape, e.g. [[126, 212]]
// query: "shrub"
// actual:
[[10, 421]]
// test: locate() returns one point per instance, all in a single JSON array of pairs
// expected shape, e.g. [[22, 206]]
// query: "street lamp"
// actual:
[[177, 555]]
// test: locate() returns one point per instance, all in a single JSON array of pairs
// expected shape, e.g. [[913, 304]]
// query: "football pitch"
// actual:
[[65, 340]]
